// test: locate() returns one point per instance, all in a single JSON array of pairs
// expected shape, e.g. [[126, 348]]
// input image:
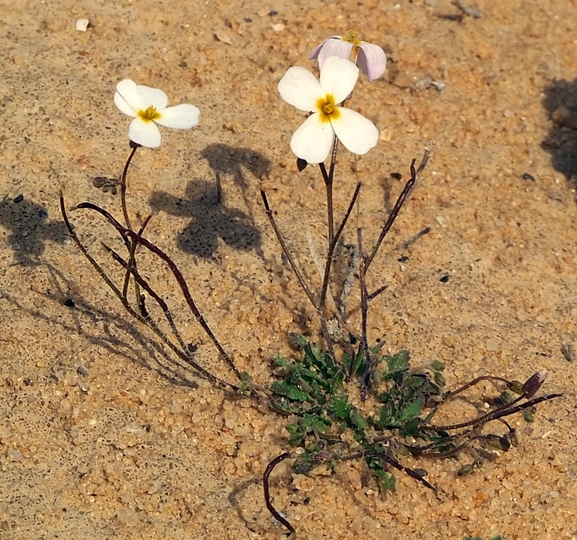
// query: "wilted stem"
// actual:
[[286, 251], [398, 205], [270, 467], [147, 321]]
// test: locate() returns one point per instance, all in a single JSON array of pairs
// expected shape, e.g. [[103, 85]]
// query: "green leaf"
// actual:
[[411, 410], [336, 383], [439, 379], [528, 416], [298, 340], [358, 419], [438, 366], [398, 362], [303, 464], [290, 391], [359, 362], [340, 407], [280, 361], [310, 421], [346, 361], [386, 480], [296, 436], [387, 418], [411, 427]]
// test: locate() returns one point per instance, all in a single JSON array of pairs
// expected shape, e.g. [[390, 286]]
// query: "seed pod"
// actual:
[[465, 470], [516, 387], [528, 415], [533, 383], [498, 442], [512, 435]]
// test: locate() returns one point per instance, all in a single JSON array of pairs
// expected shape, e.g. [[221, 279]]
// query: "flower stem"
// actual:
[[328, 178], [123, 185], [332, 247]]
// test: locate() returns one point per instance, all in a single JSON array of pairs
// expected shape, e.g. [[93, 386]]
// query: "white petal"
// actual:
[[182, 116], [300, 88], [152, 96], [313, 140], [372, 60], [144, 133], [357, 134], [338, 77], [315, 52], [127, 98], [335, 47]]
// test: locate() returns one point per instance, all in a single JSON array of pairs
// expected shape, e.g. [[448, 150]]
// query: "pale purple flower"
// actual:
[[149, 106], [370, 58], [312, 141]]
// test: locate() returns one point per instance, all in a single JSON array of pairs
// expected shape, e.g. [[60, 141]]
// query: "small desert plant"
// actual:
[[344, 399]]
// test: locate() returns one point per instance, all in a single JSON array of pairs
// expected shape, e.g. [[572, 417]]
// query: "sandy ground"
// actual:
[[99, 439]]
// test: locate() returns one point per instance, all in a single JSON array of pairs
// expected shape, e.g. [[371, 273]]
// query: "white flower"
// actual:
[[313, 140], [148, 106], [370, 58]]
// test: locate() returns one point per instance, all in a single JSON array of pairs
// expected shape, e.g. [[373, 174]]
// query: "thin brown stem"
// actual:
[[134, 147], [364, 317], [265, 483], [333, 245], [146, 286], [286, 251], [492, 379], [493, 415], [398, 205], [132, 259], [144, 320], [328, 178], [177, 274], [410, 472]]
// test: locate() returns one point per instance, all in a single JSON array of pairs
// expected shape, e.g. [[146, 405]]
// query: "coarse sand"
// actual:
[[102, 437]]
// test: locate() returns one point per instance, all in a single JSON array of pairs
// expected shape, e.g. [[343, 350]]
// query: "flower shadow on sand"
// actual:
[[205, 203], [211, 220], [561, 105], [29, 228]]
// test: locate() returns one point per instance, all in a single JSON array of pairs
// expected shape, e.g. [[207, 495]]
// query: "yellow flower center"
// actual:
[[149, 115], [351, 38], [327, 108]]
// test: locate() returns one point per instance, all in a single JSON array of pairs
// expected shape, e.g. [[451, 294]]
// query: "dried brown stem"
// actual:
[[177, 274], [286, 251], [265, 482], [138, 316], [398, 205]]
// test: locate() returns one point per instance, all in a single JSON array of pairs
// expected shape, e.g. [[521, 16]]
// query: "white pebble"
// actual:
[[82, 25]]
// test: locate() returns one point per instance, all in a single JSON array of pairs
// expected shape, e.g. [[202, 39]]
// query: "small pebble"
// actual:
[[82, 25], [491, 345], [81, 370], [14, 455]]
